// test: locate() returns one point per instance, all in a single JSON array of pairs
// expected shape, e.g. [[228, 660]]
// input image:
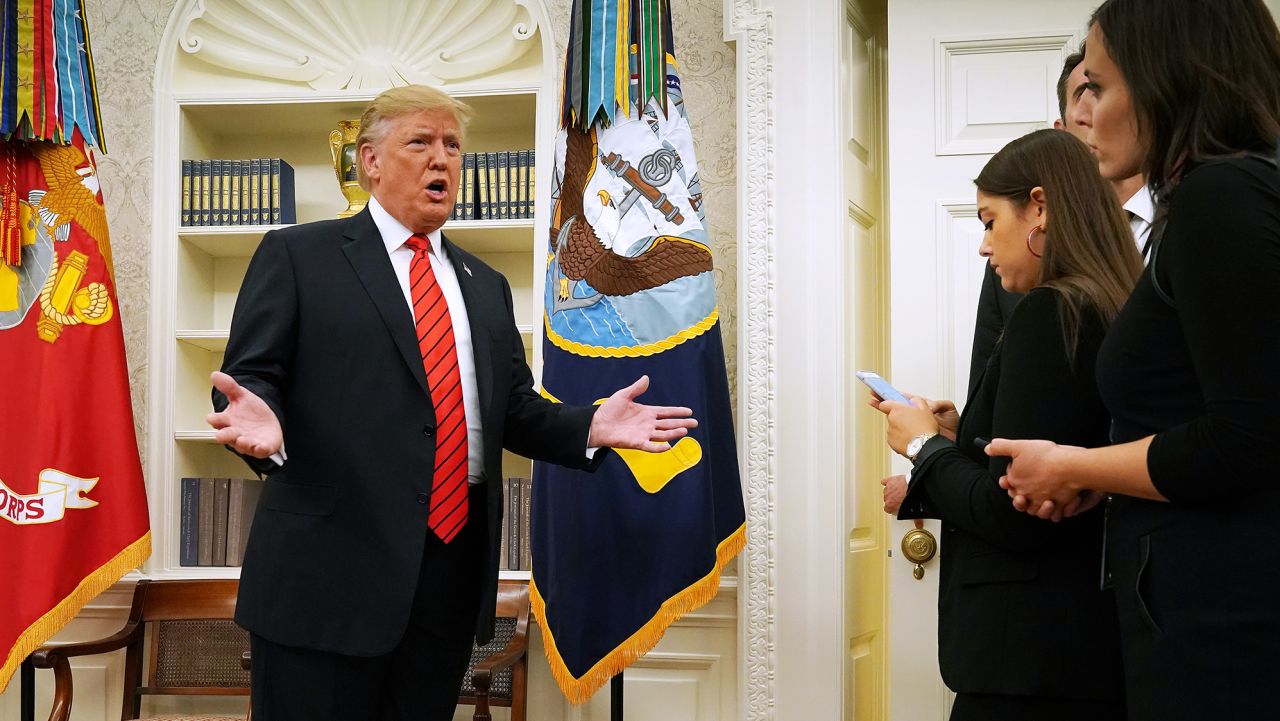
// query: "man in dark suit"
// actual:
[[375, 371]]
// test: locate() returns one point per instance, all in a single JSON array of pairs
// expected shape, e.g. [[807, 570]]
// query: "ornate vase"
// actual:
[[342, 146]]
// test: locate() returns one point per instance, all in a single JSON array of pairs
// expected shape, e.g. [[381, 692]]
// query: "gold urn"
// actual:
[[342, 146]]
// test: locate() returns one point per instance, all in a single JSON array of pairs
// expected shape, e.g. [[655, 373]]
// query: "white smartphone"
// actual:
[[881, 387]]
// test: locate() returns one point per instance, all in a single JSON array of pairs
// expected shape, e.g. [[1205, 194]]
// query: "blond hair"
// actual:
[[399, 102]]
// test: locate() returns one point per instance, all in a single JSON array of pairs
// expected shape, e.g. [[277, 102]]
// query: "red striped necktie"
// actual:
[[448, 513]]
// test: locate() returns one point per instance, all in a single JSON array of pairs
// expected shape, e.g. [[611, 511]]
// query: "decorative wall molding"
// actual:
[[332, 44], [959, 281], [752, 27], [993, 89]]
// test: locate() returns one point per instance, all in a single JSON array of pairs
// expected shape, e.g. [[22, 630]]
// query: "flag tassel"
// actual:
[[580, 689]]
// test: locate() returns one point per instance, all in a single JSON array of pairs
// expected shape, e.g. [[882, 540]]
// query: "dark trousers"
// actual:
[[997, 707], [418, 680]]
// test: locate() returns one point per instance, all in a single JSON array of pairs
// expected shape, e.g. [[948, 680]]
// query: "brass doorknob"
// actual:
[[919, 546]]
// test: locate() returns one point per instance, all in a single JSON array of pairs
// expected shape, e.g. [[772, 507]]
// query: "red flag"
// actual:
[[73, 508]]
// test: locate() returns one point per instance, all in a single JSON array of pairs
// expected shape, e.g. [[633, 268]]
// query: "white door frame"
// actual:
[[791, 592]]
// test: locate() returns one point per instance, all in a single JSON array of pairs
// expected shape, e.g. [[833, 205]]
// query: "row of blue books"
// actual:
[[496, 186], [257, 191]]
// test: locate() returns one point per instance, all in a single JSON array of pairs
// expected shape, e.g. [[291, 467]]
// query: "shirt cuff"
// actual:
[[930, 448], [280, 456], [591, 452]]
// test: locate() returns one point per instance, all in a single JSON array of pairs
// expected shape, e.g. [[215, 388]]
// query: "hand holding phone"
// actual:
[[881, 387]]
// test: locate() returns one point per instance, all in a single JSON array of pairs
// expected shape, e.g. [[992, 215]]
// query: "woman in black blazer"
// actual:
[[1024, 629], [1188, 92]]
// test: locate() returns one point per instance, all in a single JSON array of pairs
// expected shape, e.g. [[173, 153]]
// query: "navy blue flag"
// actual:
[[620, 554]]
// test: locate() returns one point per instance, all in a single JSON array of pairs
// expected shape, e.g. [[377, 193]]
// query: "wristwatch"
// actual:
[[915, 445]]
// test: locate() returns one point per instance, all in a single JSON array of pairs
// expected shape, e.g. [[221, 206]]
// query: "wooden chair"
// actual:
[[499, 669], [193, 647]]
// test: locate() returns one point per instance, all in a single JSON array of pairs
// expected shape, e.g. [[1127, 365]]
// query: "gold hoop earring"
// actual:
[[1029, 234]]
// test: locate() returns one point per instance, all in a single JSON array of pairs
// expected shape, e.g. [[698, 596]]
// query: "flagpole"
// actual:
[[615, 698], [28, 691]]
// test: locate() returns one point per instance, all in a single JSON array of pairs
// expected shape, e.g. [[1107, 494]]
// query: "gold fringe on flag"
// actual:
[[579, 690], [61, 614]]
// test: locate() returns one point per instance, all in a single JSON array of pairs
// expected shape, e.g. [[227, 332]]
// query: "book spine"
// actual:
[[206, 196], [186, 192], [235, 498], [275, 191], [246, 217], [233, 175], [264, 202], [469, 186], [221, 488], [204, 541], [215, 193], [513, 185], [526, 208], [224, 210], [282, 193], [533, 172], [513, 526], [491, 180], [482, 187], [504, 200], [255, 185], [526, 520], [189, 522], [243, 502]]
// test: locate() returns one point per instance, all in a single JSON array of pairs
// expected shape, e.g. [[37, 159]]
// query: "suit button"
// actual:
[[423, 498], [428, 430]]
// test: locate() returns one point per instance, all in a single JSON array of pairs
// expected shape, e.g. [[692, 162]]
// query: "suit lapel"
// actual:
[[368, 257], [479, 318]]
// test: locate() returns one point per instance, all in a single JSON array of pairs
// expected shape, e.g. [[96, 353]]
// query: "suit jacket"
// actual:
[[322, 333], [1020, 610]]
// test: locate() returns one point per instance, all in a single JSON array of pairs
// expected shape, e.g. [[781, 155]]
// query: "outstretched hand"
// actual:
[[247, 424], [620, 422]]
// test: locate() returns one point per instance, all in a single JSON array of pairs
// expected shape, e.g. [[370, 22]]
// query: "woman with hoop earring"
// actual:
[[1024, 629]]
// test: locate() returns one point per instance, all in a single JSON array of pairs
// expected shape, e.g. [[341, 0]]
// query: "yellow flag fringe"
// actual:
[[61, 614], [697, 595]]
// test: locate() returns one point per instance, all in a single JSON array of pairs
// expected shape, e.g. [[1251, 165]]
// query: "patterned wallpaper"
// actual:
[[126, 39]]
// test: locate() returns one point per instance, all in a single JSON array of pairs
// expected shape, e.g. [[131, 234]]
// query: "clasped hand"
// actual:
[[1034, 484]]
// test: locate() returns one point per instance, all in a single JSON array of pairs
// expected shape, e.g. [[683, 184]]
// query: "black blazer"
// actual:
[[1019, 606], [995, 305], [322, 333]]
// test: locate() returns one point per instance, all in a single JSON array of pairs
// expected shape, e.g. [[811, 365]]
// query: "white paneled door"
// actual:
[[964, 79]]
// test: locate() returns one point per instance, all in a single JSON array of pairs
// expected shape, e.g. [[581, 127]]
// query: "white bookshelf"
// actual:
[[202, 112]]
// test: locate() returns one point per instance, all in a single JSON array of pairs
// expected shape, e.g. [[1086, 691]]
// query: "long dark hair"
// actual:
[[1204, 76], [1090, 257]]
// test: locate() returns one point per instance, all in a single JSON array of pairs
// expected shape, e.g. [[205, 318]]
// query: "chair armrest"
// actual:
[[246, 661], [46, 656], [55, 657], [482, 673]]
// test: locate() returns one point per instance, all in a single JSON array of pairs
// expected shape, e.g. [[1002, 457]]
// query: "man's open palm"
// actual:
[[622, 423], [247, 424]]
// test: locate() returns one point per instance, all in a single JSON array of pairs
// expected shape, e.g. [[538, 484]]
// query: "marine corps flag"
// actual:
[[620, 554], [73, 510]]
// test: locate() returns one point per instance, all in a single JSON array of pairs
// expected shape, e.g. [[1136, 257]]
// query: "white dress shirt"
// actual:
[[1142, 210], [394, 235]]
